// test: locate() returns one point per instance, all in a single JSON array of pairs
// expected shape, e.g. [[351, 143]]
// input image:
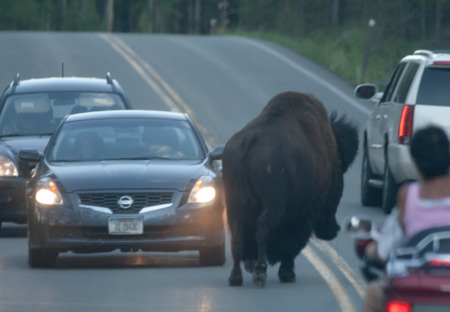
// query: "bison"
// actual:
[[283, 180]]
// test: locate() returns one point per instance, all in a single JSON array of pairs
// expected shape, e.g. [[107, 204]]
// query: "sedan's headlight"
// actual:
[[47, 192], [7, 167], [203, 191]]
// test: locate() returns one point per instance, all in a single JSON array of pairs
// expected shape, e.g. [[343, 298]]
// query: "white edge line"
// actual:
[[306, 72]]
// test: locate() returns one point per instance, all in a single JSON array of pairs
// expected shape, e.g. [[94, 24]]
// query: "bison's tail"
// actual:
[[346, 134]]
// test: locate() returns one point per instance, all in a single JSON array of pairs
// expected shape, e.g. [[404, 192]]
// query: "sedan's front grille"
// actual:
[[140, 200]]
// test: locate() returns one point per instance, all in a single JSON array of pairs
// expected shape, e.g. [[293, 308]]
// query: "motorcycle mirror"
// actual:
[[357, 224]]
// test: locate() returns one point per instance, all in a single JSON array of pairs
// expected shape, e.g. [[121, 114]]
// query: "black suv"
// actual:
[[417, 95], [30, 110]]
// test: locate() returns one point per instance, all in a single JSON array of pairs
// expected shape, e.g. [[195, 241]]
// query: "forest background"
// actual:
[[360, 40]]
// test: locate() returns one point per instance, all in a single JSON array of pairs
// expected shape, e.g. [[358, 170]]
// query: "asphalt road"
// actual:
[[222, 83]]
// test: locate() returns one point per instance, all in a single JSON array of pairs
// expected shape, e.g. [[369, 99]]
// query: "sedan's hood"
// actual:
[[16, 144], [107, 175]]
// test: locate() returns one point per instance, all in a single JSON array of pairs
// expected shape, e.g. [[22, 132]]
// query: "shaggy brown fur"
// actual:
[[283, 179]]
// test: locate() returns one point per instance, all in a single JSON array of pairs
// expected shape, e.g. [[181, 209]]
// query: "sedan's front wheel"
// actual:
[[41, 258]]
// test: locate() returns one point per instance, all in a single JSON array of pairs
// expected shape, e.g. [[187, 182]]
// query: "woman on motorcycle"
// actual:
[[421, 205]]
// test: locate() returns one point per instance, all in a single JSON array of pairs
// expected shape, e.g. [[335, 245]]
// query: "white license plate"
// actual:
[[125, 225]]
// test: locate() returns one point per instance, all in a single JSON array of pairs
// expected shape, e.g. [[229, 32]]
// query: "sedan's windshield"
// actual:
[[123, 139], [41, 113]]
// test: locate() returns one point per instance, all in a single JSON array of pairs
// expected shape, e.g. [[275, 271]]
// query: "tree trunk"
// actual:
[[438, 22], [423, 22], [109, 15], [335, 13], [197, 15]]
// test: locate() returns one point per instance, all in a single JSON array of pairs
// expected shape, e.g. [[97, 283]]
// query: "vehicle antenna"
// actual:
[[15, 83], [62, 69]]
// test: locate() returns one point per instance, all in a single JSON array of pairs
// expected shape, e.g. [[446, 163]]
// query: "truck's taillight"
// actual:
[[406, 124], [398, 306], [441, 63]]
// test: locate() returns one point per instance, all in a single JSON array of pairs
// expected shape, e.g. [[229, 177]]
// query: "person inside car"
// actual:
[[162, 142], [422, 205], [88, 146]]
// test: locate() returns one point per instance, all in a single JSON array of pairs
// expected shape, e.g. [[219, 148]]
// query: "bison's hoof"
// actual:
[[249, 265], [235, 281], [286, 277], [235, 278], [259, 274], [259, 279]]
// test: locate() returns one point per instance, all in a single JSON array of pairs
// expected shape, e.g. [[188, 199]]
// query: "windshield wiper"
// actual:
[[25, 135], [141, 158]]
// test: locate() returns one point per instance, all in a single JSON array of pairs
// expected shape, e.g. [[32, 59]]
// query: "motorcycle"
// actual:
[[417, 273], [364, 232]]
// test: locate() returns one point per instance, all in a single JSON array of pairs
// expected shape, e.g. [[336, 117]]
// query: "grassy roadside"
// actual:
[[342, 52]]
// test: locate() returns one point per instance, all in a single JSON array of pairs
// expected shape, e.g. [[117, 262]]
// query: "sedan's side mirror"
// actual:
[[366, 91], [215, 158], [216, 153]]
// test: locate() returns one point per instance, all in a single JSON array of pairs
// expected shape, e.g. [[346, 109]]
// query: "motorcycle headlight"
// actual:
[[203, 191], [7, 167], [47, 192]]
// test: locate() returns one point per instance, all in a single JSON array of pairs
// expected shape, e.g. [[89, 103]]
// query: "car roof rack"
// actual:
[[15, 83], [423, 52], [110, 81], [431, 52]]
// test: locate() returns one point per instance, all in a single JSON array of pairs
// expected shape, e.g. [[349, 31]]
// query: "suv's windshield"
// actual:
[[122, 139], [40, 113], [434, 87]]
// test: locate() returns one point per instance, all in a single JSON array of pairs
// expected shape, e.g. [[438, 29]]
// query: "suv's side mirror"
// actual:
[[366, 91], [31, 155]]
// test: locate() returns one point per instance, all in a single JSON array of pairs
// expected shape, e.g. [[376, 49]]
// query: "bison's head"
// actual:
[[347, 139]]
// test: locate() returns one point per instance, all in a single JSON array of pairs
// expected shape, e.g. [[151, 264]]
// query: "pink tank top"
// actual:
[[422, 214]]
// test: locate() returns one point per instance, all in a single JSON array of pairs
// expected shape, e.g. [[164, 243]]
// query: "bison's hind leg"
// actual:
[[249, 265], [260, 274]]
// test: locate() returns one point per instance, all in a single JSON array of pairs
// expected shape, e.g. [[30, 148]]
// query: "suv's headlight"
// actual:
[[47, 192], [7, 167], [203, 191]]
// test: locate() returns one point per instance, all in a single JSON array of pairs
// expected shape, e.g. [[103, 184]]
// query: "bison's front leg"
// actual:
[[286, 272], [235, 278], [260, 266]]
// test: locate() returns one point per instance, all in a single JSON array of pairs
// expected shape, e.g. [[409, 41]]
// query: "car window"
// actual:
[[434, 87], [392, 84], [405, 83], [41, 113], [116, 139]]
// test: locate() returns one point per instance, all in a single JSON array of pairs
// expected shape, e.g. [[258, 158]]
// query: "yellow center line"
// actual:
[[175, 103], [343, 266], [333, 283], [114, 42], [154, 80]]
